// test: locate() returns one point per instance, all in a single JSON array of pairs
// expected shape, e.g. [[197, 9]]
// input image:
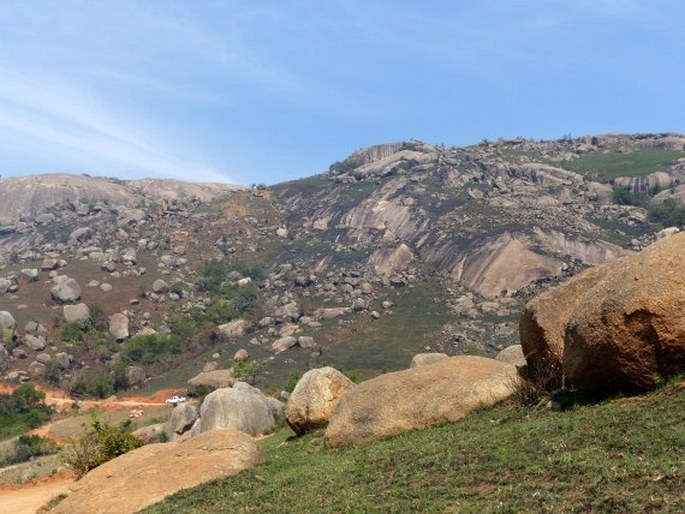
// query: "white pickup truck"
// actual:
[[175, 400]]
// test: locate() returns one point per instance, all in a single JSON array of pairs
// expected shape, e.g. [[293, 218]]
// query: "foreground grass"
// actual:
[[625, 455]]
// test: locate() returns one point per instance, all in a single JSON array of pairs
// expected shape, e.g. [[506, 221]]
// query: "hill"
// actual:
[[397, 249]]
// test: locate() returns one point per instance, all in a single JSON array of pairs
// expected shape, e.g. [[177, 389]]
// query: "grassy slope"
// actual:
[[624, 455]]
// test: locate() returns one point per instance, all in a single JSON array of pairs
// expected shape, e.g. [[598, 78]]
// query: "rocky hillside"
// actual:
[[397, 249]]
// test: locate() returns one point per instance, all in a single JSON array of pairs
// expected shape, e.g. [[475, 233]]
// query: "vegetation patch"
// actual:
[[607, 166], [22, 410]]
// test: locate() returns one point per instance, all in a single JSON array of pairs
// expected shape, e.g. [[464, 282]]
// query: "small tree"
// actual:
[[102, 442]]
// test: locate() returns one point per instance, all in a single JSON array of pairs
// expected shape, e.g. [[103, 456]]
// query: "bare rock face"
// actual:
[[65, 289], [147, 475], [388, 260], [76, 312], [618, 326], [241, 407], [119, 326], [416, 398], [314, 399]]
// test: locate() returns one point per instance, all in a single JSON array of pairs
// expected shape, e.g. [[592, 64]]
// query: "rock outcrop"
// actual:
[[416, 398], [314, 399], [65, 289], [618, 326], [145, 476]]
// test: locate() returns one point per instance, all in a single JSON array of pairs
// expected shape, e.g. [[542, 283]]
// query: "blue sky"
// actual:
[[267, 91]]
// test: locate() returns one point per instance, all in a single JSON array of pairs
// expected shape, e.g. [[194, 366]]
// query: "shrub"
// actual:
[[241, 370], [102, 442], [92, 382], [73, 334], [28, 447], [23, 410]]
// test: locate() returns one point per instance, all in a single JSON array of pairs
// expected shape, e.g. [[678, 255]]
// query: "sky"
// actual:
[[265, 91]]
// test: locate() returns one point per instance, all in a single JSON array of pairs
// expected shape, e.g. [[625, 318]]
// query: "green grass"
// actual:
[[610, 165], [623, 455]]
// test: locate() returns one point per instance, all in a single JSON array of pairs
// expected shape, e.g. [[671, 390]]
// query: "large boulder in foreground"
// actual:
[[418, 397], [314, 399], [242, 407], [147, 475], [616, 327]]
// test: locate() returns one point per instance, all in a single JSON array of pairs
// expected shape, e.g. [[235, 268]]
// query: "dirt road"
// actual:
[[28, 498]]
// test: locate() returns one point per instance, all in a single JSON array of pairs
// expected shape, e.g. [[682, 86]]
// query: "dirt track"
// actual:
[[28, 498]]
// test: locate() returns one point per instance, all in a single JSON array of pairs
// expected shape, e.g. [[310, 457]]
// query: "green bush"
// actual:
[[73, 334], [152, 349], [102, 442], [241, 370], [92, 382], [23, 410], [28, 447], [668, 213]]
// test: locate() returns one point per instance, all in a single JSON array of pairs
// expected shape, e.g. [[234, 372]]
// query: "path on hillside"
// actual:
[[28, 498]]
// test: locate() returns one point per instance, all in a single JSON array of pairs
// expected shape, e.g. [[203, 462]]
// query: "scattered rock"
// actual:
[[118, 326], [241, 356], [234, 329], [76, 312], [66, 289], [283, 344], [159, 286]]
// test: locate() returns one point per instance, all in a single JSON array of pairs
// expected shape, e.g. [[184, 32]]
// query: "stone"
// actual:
[[49, 265], [30, 274], [81, 235], [146, 475], [426, 359], [359, 304], [243, 408], [512, 355], [36, 369], [65, 290], [416, 398], [241, 356], [159, 286], [118, 326], [217, 379], [36, 343], [616, 327], [182, 419], [136, 376], [5, 284], [43, 358], [290, 312], [7, 322], [62, 360], [306, 342], [78, 312], [283, 344], [4, 355], [234, 329], [314, 399]]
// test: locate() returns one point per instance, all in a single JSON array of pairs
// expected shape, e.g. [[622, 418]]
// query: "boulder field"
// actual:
[[617, 327]]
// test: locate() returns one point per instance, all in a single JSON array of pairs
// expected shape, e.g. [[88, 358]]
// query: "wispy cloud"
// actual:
[[56, 112]]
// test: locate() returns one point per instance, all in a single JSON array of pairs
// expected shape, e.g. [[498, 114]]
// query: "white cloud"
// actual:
[[58, 113]]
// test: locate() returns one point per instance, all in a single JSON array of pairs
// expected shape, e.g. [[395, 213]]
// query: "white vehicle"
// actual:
[[175, 400]]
